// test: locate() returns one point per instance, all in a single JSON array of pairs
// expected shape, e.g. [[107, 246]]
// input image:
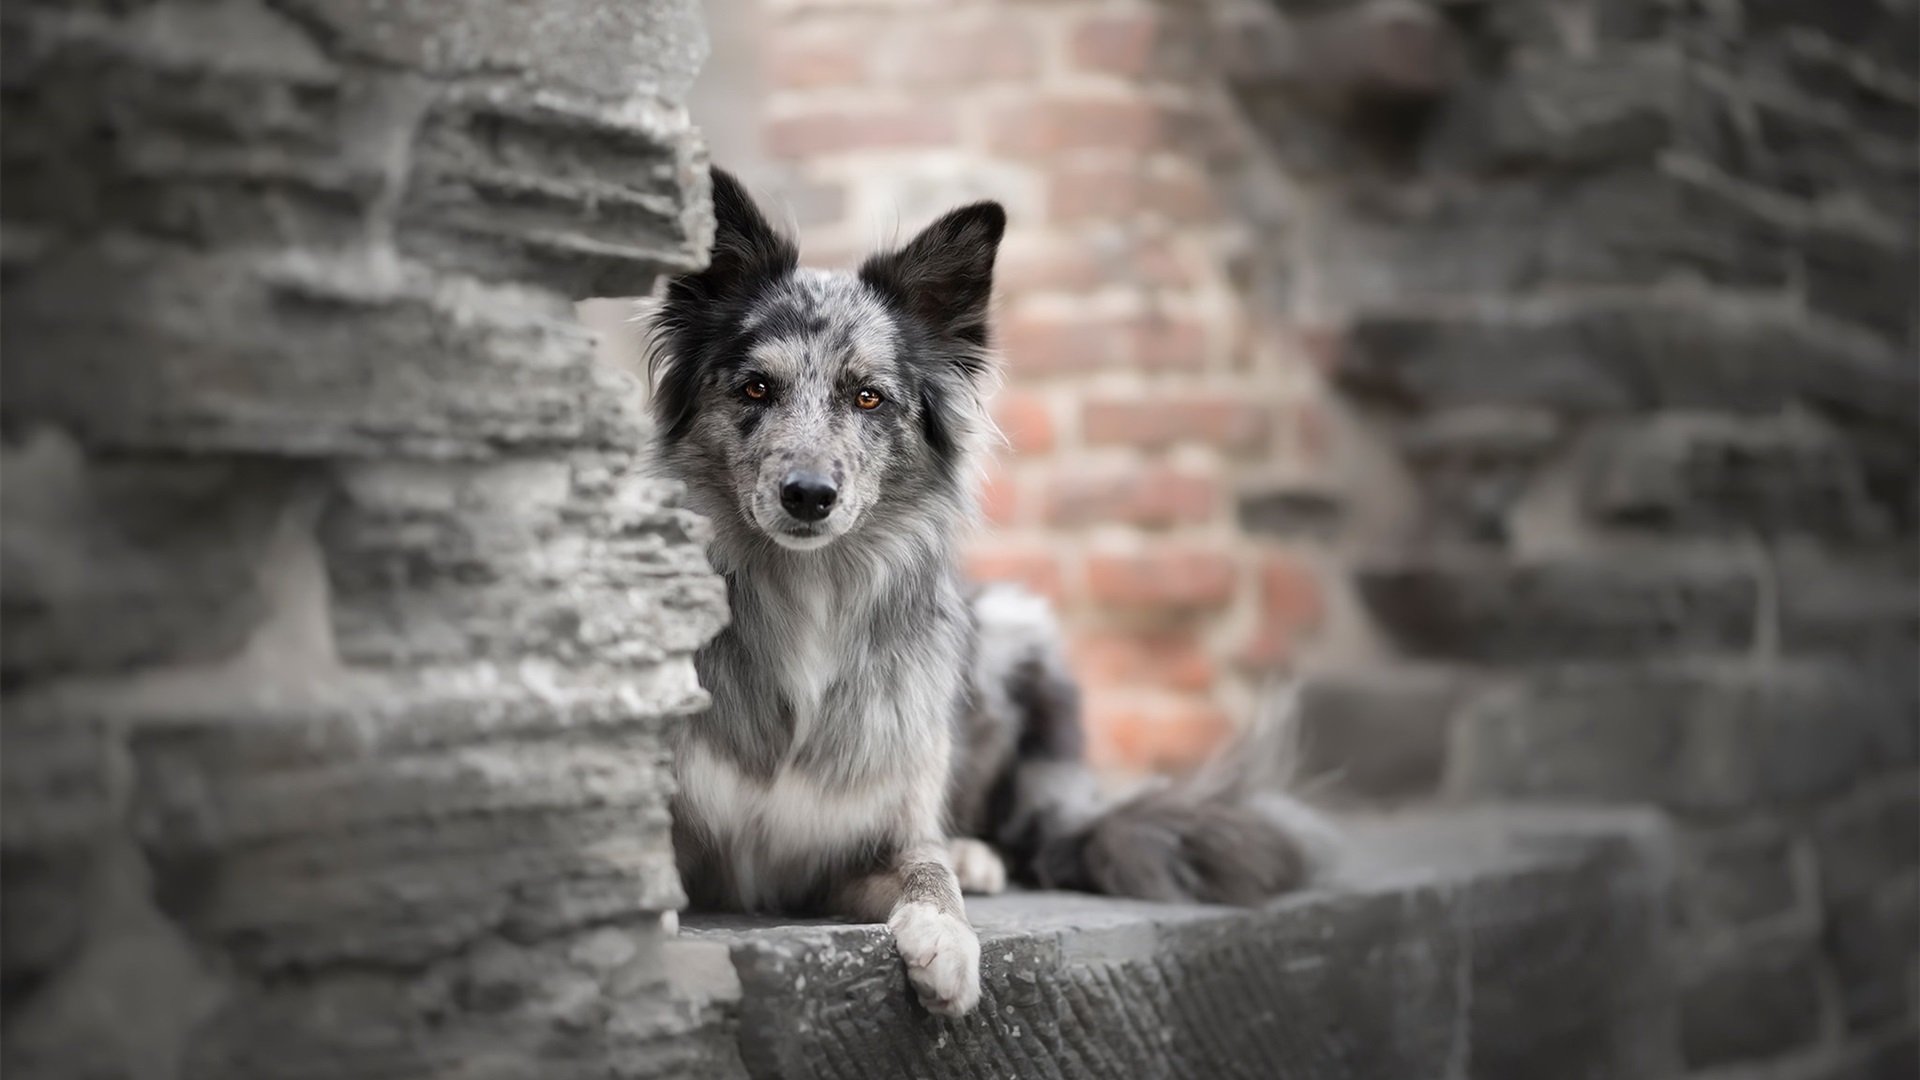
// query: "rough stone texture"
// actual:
[[1500, 610], [1378, 735], [1716, 738], [1621, 301], [1751, 1003], [1506, 949], [343, 636]]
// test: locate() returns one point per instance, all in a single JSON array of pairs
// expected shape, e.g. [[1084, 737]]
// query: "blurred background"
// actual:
[[1534, 381], [1349, 337]]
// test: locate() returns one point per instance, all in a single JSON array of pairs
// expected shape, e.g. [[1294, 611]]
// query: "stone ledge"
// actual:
[[1480, 945]]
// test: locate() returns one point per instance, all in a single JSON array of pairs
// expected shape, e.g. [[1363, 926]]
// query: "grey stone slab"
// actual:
[[1705, 738], [1606, 357], [1715, 473], [136, 348], [1490, 608], [1750, 1003], [111, 566], [1380, 733], [1456, 939]]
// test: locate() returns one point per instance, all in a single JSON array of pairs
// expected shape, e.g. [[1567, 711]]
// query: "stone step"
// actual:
[[1481, 945]]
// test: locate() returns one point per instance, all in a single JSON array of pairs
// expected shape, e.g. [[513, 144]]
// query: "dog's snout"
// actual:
[[808, 496]]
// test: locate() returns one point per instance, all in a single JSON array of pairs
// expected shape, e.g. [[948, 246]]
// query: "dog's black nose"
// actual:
[[808, 496]]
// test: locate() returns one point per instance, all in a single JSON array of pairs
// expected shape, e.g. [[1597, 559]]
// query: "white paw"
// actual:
[[942, 956], [977, 866]]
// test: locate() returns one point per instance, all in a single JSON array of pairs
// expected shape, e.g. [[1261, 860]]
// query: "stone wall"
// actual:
[[341, 629], [1627, 306]]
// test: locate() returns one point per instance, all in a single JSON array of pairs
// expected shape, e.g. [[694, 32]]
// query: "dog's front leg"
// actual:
[[919, 899]]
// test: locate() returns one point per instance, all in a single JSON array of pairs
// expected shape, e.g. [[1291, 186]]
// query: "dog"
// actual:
[[883, 736]]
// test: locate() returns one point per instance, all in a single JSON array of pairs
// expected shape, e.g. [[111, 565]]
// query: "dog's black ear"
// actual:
[[944, 276], [745, 247]]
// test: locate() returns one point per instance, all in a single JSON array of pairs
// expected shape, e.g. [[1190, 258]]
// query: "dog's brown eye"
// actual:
[[867, 399], [755, 389]]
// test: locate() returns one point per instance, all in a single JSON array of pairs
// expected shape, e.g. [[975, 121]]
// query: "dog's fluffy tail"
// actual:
[[1227, 833]]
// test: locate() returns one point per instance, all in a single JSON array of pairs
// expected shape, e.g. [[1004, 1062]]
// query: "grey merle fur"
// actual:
[[868, 706]]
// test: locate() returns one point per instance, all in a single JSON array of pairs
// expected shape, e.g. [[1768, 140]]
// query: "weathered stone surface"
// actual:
[[580, 1005], [588, 200], [608, 50], [1475, 464], [1610, 357], [1706, 738], [1723, 474], [581, 559], [303, 355], [1612, 107], [1733, 875], [1756, 1001], [1870, 837], [1862, 604], [342, 640], [1448, 921], [394, 819], [114, 565], [1873, 942], [1482, 608], [1378, 733]]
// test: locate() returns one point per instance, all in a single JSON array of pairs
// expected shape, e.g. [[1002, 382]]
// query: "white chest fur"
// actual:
[[775, 834]]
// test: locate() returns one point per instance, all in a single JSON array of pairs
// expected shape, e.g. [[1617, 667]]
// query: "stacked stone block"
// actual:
[[343, 632], [1627, 296]]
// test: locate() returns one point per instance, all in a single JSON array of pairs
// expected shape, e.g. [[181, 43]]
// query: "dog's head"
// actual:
[[807, 401]]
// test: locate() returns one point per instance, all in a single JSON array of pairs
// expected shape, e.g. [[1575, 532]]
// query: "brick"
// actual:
[[937, 54], [1162, 579], [1116, 43], [1095, 190], [1168, 661], [817, 60], [1154, 495], [1142, 730], [1156, 263], [1226, 422], [1026, 420], [815, 131], [1049, 126], [1292, 606], [1036, 568], [1040, 345], [999, 494], [1052, 264], [1168, 343]]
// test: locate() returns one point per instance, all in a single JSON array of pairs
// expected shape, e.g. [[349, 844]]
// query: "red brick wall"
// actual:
[[1140, 393]]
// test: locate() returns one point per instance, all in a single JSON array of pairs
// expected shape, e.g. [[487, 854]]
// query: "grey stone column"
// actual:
[[341, 630]]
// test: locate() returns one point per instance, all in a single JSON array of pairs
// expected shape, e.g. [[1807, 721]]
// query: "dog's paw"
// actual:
[[977, 866], [942, 956]]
